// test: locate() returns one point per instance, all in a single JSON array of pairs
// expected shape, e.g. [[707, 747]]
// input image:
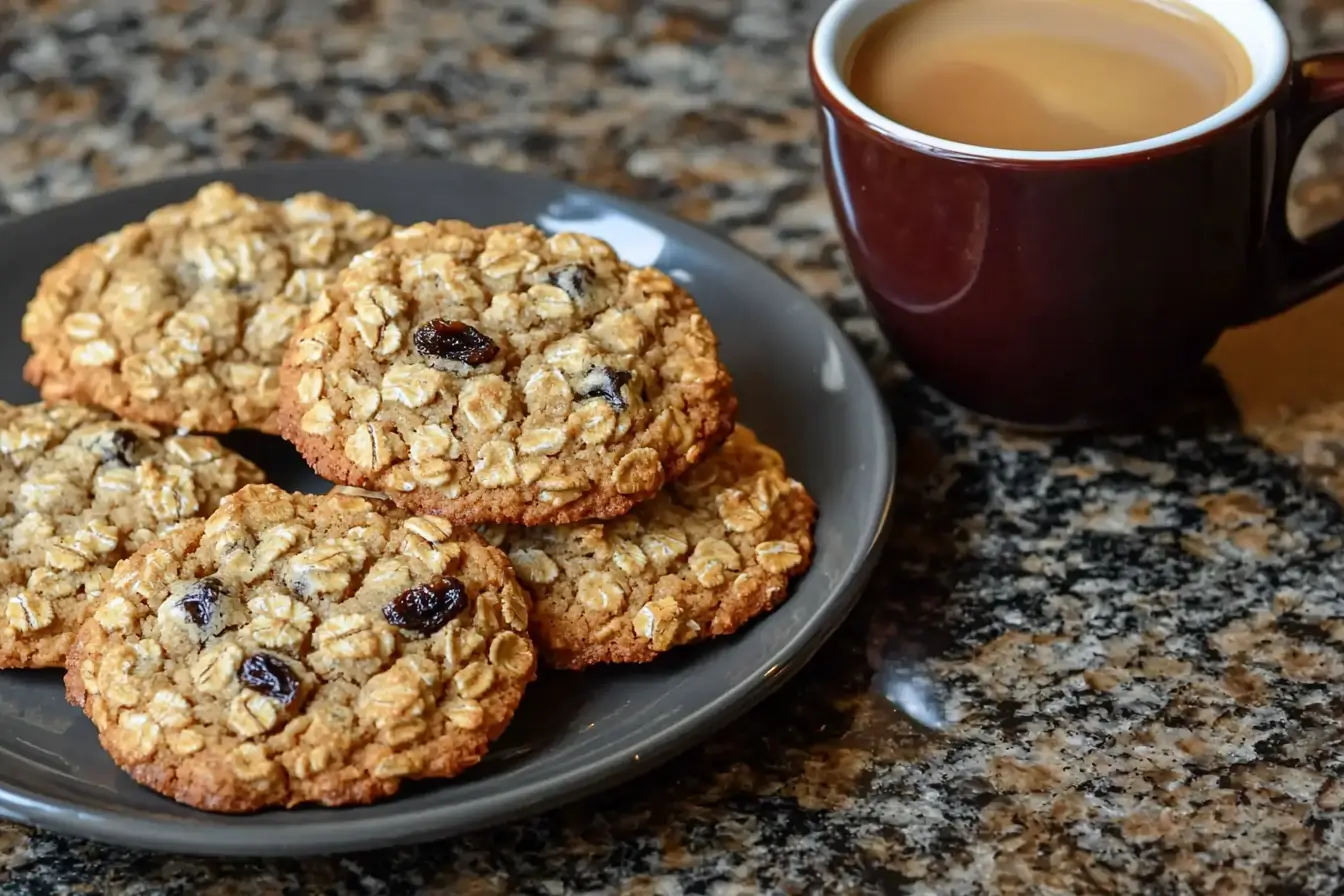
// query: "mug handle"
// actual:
[[1309, 267]]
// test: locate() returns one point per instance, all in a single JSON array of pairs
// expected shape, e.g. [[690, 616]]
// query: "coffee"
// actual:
[[1047, 74]]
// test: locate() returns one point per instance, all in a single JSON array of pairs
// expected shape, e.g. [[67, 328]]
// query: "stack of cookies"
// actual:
[[535, 456]]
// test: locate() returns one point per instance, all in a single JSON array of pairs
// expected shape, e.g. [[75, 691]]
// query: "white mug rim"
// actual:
[[1269, 55]]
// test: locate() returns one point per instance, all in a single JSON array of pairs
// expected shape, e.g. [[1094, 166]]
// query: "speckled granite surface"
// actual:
[[1132, 645]]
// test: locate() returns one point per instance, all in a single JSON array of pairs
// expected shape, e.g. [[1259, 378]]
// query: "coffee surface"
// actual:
[[1048, 74]]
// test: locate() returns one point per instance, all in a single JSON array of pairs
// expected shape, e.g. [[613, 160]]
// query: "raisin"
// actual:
[[119, 448], [427, 608], [605, 382], [271, 676], [201, 602], [574, 279], [455, 340]]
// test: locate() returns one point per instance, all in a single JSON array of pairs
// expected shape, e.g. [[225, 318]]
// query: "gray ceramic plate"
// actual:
[[800, 384]]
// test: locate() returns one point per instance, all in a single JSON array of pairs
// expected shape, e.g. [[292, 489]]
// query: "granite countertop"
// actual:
[[1127, 649]]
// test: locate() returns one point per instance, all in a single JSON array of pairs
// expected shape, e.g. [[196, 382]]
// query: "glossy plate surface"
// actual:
[[801, 386]]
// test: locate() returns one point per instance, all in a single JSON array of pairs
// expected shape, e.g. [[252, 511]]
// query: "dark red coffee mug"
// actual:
[[1070, 289]]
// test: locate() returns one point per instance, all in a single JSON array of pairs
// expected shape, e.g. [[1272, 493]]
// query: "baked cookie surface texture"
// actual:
[[712, 551], [500, 375], [79, 491], [182, 319], [294, 649]]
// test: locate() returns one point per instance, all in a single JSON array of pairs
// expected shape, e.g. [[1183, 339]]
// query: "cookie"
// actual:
[[499, 375], [80, 490], [294, 649], [181, 320], [713, 550]]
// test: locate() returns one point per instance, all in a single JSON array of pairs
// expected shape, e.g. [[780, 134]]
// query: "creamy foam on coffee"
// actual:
[[1048, 74]]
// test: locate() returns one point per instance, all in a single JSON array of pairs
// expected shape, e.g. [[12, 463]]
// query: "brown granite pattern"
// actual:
[[1108, 663]]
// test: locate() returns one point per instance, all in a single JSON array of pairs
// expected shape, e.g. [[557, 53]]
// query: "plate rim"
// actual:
[[427, 823]]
